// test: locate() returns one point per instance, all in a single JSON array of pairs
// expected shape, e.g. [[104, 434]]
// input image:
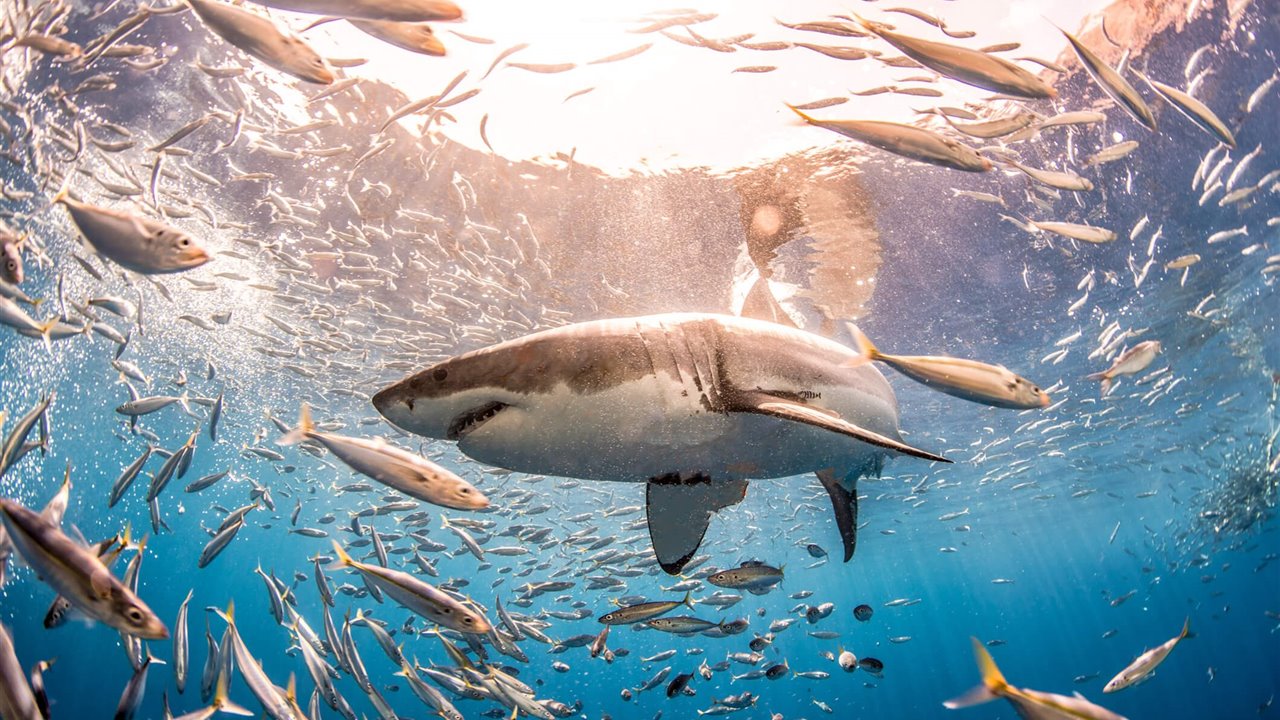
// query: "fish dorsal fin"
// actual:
[[765, 404], [679, 511], [844, 502]]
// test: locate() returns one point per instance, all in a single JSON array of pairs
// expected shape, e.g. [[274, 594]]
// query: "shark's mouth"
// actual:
[[467, 422]]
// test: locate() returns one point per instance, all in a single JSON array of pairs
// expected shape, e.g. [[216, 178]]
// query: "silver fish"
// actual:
[[906, 140], [418, 596], [1130, 362], [134, 242], [972, 67], [412, 475], [395, 10], [1029, 704], [180, 653], [262, 39], [17, 701], [968, 379], [414, 37], [1146, 663], [1113, 84], [1196, 111], [77, 574]]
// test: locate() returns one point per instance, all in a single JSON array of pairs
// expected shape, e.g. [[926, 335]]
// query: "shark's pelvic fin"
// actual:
[[844, 502], [680, 508]]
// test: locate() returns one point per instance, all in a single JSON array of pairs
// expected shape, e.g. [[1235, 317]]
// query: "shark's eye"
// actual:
[[440, 374]]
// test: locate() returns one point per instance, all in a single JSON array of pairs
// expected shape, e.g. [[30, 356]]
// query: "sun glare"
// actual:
[[669, 104]]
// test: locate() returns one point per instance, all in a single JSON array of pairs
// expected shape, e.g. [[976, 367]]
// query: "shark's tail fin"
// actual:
[[993, 682]]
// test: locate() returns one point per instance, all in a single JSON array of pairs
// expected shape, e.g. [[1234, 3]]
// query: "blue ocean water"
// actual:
[[1089, 531]]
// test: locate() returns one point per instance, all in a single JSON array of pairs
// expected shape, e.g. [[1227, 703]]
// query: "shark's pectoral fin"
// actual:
[[680, 508], [844, 502], [767, 404]]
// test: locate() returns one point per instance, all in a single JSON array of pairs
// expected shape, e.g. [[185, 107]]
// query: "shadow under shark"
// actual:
[[694, 405]]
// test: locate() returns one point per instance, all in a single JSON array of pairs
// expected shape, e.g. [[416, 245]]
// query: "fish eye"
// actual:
[[468, 621], [134, 615], [184, 242], [465, 491], [440, 374]]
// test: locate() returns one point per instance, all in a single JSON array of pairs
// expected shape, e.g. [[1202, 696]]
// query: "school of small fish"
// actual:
[[149, 204]]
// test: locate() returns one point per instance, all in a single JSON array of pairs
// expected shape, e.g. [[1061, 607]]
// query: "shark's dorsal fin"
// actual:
[[844, 502], [766, 404], [760, 304], [679, 510]]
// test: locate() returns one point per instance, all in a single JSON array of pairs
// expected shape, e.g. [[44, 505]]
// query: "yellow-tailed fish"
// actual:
[[76, 573], [1115, 86], [262, 39], [393, 10], [968, 379], [1029, 704], [414, 37], [972, 67], [420, 597], [132, 241], [1147, 662], [905, 140], [1196, 111], [411, 474]]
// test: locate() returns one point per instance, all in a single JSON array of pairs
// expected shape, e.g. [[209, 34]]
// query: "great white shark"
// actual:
[[694, 405]]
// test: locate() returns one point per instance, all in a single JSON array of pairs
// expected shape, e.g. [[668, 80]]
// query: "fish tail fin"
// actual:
[[1096, 376], [291, 690], [993, 682], [688, 599], [803, 115], [64, 190], [299, 433], [1106, 386], [229, 615], [869, 25], [47, 327], [992, 678], [867, 350], [222, 702], [1186, 630], [344, 560]]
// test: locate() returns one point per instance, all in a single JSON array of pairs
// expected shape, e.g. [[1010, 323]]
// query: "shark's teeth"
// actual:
[[472, 419]]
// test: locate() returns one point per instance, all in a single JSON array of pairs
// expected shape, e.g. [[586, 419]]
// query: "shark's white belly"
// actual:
[[642, 429]]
